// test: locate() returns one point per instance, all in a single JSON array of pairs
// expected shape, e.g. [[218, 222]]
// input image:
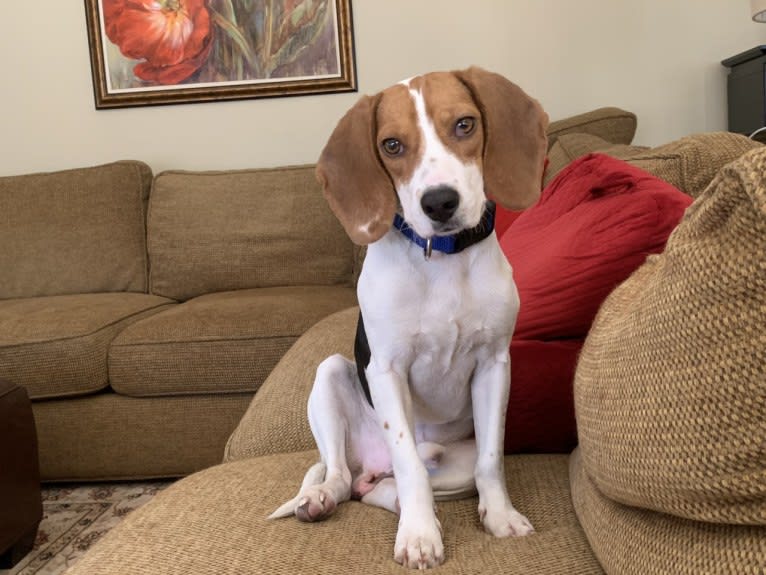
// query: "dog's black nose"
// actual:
[[439, 203]]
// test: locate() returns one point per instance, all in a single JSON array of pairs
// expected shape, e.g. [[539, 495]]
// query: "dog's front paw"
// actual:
[[505, 522], [315, 504], [419, 546]]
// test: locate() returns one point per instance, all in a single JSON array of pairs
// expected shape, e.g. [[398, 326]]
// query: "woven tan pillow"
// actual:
[[670, 389]]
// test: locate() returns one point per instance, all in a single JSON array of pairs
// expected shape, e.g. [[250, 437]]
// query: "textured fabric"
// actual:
[[592, 227], [670, 388], [633, 541], [57, 346], [569, 147], [214, 523], [691, 163], [221, 231], [277, 419], [611, 124], [540, 416], [109, 436], [76, 231], [216, 343]]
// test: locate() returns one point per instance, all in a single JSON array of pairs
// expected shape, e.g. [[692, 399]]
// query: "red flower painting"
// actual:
[[171, 38], [171, 51]]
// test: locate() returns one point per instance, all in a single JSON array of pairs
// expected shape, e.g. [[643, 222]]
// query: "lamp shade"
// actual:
[[758, 8]]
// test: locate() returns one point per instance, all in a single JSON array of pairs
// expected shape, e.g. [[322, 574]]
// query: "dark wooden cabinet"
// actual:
[[746, 91]]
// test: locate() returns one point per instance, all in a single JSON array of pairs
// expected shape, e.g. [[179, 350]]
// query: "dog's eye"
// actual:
[[392, 146], [465, 126]]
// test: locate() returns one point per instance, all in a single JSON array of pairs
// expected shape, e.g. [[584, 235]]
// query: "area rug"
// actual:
[[75, 517]]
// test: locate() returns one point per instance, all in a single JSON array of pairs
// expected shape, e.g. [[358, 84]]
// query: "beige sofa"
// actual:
[[669, 477], [142, 314]]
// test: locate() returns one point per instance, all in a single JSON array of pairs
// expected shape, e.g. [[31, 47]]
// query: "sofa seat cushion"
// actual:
[[74, 231], [634, 541], [220, 342], [215, 522], [57, 346]]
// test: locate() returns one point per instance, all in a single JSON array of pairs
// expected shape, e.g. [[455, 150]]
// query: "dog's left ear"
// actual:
[[515, 142]]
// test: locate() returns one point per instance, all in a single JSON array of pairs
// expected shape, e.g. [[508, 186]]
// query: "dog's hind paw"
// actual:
[[315, 504], [505, 522]]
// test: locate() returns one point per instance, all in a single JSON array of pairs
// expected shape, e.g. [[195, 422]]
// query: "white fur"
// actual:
[[440, 166], [439, 333]]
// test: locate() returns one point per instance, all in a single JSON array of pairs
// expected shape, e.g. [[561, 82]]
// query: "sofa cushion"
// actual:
[[221, 342], [569, 147], [221, 231], [634, 541], [76, 231], [214, 522], [611, 124], [57, 346], [691, 163], [277, 419], [670, 389], [540, 417]]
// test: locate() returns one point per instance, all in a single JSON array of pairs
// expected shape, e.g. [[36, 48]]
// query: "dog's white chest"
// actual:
[[432, 321]]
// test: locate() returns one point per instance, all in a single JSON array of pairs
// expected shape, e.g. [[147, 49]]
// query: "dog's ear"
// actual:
[[515, 142], [356, 185]]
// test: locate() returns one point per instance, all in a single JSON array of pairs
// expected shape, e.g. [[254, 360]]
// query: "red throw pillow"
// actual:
[[594, 225], [541, 417]]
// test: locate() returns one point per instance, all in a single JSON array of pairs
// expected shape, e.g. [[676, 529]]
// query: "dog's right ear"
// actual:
[[356, 185]]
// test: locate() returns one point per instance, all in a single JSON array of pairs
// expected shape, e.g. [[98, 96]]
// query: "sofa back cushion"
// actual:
[[670, 391], [75, 231], [219, 231]]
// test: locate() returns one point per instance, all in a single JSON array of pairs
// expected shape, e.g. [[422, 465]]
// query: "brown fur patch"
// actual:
[[447, 101], [397, 118]]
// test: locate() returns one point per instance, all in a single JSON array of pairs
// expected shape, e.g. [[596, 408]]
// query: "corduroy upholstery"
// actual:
[[75, 231], [209, 344], [56, 346], [670, 389], [214, 523], [222, 231]]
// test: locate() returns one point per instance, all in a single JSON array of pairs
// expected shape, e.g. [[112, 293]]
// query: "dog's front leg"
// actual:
[[490, 389], [418, 539]]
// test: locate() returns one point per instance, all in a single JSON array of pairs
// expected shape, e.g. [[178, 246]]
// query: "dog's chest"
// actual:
[[434, 321]]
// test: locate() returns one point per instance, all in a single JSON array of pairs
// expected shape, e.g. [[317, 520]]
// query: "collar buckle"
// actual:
[[428, 248]]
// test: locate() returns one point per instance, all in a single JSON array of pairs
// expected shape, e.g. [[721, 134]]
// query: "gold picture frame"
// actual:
[[152, 52]]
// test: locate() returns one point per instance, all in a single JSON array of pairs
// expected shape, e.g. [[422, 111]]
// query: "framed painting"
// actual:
[[148, 52]]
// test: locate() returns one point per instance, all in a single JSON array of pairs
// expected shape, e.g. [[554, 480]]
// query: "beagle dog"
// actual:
[[412, 172]]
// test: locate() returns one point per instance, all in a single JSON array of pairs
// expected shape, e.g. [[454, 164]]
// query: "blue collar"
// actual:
[[454, 243]]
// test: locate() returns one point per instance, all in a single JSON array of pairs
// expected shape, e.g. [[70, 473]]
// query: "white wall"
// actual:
[[658, 58]]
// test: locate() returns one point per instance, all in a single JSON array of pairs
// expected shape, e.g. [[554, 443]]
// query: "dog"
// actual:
[[412, 172]]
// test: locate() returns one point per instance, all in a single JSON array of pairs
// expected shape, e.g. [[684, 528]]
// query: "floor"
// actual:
[[75, 517]]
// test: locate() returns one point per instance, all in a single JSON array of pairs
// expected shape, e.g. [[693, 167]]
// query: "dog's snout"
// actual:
[[440, 203]]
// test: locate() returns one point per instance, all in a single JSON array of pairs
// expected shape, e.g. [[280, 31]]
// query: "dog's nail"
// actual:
[[322, 497], [303, 501]]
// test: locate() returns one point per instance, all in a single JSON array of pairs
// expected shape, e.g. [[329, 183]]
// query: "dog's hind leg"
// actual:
[[335, 413]]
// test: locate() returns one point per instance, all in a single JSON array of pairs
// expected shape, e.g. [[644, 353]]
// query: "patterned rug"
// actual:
[[75, 517]]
